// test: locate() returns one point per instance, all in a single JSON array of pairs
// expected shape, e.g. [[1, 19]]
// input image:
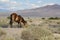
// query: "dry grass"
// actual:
[[2, 32], [37, 33], [38, 29]]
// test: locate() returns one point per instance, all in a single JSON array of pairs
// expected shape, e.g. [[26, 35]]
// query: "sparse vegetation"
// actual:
[[2, 32], [43, 18], [7, 38], [30, 20], [37, 33], [53, 18], [8, 17], [38, 29]]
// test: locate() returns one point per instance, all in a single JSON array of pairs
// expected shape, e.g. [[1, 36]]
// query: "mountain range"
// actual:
[[45, 11]]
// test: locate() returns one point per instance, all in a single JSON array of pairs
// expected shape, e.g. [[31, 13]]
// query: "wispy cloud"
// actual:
[[1, 7], [25, 4], [48, 4], [33, 6], [16, 5], [4, 0], [39, 1]]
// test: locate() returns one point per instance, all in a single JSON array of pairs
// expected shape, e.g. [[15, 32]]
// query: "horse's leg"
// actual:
[[11, 23], [19, 24]]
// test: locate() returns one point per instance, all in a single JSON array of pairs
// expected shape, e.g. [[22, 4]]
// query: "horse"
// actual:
[[18, 19]]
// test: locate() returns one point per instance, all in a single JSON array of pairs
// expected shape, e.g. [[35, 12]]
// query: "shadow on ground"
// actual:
[[7, 26]]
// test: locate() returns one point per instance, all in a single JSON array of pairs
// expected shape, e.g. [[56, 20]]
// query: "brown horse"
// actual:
[[17, 18]]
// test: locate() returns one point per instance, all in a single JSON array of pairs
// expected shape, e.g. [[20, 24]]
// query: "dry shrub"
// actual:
[[3, 35], [2, 32], [37, 33], [57, 38], [7, 38]]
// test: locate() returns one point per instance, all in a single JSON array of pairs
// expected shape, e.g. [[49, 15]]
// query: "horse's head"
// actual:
[[24, 22]]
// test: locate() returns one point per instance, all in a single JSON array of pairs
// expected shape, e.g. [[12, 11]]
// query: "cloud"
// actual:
[[11, 8], [1, 7], [34, 6], [51, 3], [17, 5], [14, 5], [4, 0], [48, 4], [13, 2], [39, 1], [31, 5]]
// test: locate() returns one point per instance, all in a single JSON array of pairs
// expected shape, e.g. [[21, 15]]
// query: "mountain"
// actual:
[[4, 12], [45, 11]]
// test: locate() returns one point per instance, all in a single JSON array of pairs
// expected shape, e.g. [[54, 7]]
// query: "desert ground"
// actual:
[[15, 33]]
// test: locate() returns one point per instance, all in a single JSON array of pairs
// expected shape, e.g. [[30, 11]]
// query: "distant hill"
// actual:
[[45, 11], [4, 12]]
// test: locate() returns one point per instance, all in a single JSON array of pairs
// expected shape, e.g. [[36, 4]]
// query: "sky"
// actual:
[[25, 4]]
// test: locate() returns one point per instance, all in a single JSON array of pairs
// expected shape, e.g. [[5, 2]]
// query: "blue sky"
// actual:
[[25, 4]]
